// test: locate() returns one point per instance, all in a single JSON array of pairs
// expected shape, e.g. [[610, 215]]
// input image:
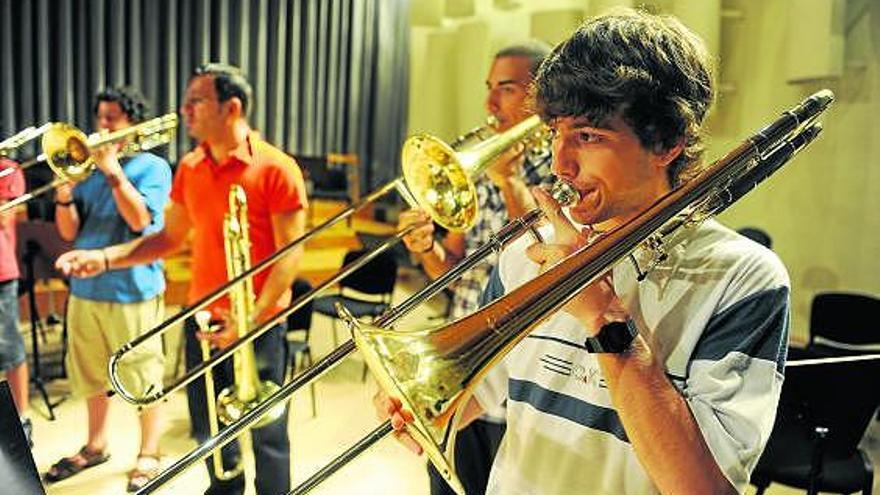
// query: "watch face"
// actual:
[[615, 336]]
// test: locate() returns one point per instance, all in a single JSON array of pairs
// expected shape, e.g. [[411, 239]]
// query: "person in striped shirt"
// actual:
[[666, 384]]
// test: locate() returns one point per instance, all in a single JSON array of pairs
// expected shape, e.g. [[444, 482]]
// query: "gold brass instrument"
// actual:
[[434, 371], [67, 150], [438, 179], [562, 191], [476, 135], [203, 320], [442, 180], [20, 138], [248, 389], [499, 144]]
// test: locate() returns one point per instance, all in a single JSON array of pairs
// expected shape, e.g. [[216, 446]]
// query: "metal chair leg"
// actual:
[[816, 465]]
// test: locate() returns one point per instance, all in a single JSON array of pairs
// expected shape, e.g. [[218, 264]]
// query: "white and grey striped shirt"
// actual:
[[716, 312]]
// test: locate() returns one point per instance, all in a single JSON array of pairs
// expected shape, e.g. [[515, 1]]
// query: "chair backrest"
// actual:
[[378, 276], [845, 322], [333, 176], [839, 393]]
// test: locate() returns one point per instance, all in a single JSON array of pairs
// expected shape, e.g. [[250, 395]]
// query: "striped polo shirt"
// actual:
[[716, 312]]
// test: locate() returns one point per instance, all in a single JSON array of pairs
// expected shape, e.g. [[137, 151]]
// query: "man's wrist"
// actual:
[[61, 202], [114, 179]]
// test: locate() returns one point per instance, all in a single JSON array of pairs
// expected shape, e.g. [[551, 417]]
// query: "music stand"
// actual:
[[38, 246], [17, 468]]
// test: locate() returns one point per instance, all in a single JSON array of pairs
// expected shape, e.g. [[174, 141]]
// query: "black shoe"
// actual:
[[28, 428]]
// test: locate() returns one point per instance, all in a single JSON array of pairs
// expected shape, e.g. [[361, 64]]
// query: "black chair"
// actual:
[[825, 407], [333, 176], [844, 323], [366, 293], [299, 324]]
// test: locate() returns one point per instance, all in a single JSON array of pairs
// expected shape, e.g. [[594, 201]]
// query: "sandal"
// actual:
[[67, 467], [146, 468]]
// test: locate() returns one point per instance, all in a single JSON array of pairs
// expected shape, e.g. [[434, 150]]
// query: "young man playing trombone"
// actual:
[[662, 384], [215, 110], [122, 200], [503, 194]]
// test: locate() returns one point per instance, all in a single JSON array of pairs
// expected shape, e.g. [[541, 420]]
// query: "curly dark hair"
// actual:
[[651, 70], [133, 104], [229, 81]]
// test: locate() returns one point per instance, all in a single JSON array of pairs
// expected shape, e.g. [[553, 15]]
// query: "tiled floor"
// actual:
[[344, 415]]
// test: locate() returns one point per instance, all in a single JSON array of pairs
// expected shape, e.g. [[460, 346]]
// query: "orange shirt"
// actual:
[[273, 184]]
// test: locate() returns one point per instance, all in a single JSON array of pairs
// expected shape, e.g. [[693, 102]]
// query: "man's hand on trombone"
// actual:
[[597, 304], [421, 239], [226, 333], [390, 408], [107, 159]]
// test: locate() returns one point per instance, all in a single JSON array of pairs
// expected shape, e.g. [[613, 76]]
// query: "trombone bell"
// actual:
[[442, 179], [421, 369], [230, 408], [67, 152], [439, 183]]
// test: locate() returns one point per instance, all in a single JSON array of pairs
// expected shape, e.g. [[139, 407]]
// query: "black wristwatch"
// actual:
[[614, 337]]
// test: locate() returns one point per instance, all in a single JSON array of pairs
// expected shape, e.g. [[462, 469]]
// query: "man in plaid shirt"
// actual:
[[503, 194]]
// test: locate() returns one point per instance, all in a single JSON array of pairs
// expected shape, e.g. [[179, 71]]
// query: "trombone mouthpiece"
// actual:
[[564, 193]]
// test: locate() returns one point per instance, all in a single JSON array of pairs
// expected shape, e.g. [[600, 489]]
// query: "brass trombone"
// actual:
[[203, 319], [562, 191], [436, 178], [434, 371], [67, 150], [20, 138], [444, 168], [248, 388]]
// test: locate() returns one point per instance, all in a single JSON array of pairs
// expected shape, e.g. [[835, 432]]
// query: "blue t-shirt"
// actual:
[[101, 225]]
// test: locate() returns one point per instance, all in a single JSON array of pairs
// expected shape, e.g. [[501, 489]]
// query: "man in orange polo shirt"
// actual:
[[214, 110]]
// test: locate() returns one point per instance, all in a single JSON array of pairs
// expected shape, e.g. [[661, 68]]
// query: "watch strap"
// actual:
[[613, 337]]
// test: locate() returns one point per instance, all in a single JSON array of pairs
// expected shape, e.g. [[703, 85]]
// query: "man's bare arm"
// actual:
[[286, 228]]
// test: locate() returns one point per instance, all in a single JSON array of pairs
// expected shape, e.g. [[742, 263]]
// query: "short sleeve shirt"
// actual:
[[715, 313], [273, 184], [102, 225]]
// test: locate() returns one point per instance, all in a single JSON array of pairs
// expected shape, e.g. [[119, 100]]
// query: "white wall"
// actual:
[[822, 209]]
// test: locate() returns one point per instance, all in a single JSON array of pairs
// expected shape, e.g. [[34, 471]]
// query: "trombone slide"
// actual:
[[203, 321]]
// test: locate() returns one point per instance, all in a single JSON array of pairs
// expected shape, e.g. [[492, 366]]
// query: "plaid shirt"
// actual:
[[492, 216]]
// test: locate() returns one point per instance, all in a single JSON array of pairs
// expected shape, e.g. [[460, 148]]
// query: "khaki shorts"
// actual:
[[96, 329]]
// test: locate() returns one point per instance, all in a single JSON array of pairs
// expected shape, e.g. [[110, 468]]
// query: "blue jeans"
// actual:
[[271, 443], [12, 351]]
